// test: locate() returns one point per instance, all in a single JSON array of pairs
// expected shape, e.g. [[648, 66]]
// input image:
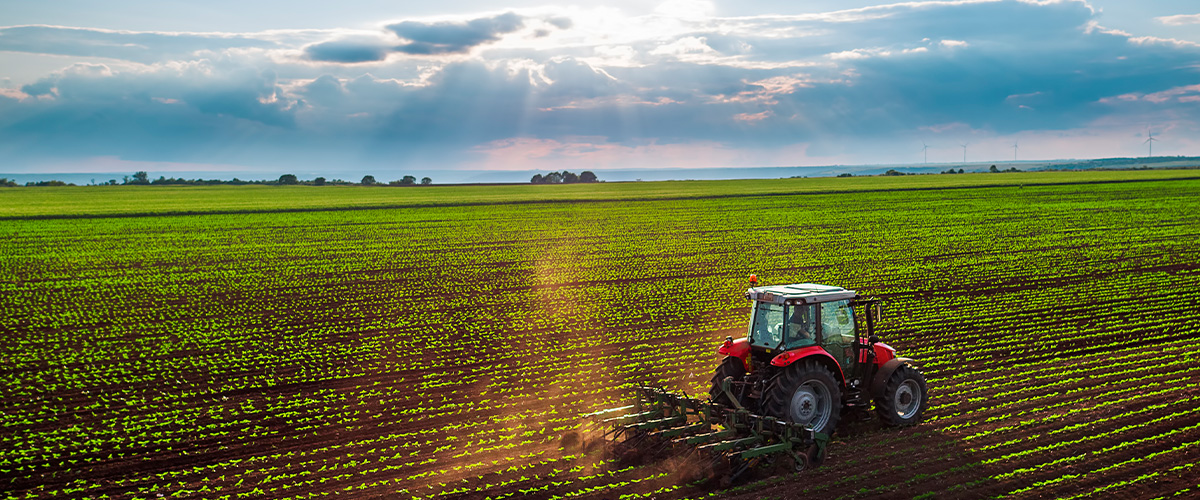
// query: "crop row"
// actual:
[[288, 354]]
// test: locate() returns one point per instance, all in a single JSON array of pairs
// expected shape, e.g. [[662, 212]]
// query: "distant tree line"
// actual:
[[564, 178], [141, 178], [408, 180]]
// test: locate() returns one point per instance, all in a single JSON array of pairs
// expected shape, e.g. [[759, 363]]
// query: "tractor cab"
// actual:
[[789, 317]]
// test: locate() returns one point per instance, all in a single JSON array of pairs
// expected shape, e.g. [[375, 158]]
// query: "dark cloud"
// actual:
[[143, 47], [245, 94], [562, 23], [453, 37], [324, 91], [346, 51], [41, 87]]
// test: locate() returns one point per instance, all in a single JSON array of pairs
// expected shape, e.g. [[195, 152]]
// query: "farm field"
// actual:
[[443, 342]]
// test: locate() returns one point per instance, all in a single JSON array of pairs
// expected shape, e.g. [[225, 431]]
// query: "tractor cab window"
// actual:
[[766, 326], [837, 330], [771, 322], [802, 325]]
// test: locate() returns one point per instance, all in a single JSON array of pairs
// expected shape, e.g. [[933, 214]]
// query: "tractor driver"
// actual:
[[802, 324]]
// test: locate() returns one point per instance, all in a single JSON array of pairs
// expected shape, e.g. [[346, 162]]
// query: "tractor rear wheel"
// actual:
[[805, 393], [904, 399], [731, 366]]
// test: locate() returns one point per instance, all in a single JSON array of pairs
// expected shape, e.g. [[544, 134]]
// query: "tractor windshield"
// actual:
[[770, 322]]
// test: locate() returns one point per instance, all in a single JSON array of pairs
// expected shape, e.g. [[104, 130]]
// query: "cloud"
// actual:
[[578, 86], [347, 51], [454, 37], [143, 47], [687, 9], [1179, 20], [560, 22]]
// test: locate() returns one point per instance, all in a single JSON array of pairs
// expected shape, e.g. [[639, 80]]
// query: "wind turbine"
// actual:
[[1014, 150], [1150, 140], [925, 149], [964, 146]]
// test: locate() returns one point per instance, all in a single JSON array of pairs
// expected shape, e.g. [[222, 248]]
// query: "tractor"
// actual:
[[810, 352]]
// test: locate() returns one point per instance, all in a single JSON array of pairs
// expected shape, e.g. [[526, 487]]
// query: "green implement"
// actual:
[[727, 441]]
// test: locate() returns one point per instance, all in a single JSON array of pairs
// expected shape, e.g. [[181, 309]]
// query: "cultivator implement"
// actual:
[[722, 443]]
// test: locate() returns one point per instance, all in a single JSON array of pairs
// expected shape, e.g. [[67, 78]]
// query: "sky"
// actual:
[[372, 85]]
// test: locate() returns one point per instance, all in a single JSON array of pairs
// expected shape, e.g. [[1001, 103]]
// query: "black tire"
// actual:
[[904, 399], [731, 366], [806, 393]]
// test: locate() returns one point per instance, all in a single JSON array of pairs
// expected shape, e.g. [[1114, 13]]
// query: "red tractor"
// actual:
[[809, 352]]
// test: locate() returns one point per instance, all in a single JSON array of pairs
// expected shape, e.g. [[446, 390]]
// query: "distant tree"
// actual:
[[537, 179], [994, 169], [425, 181], [319, 181], [288, 179], [894, 172], [569, 178], [553, 178], [5, 182], [846, 174], [139, 177], [368, 180], [112, 182], [960, 171], [408, 180], [587, 176]]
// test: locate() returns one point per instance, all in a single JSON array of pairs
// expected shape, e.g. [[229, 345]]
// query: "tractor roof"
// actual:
[[801, 293]]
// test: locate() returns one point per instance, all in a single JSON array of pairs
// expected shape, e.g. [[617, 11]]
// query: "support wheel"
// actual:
[[904, 399], [805, 393], [731, 366]]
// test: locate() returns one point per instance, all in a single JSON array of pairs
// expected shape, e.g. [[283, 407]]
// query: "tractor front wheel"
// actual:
[[904, 399], [732, 366], [805, 393]]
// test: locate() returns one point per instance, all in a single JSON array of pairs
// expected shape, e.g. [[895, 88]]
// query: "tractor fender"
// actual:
[[789, 357], [884, 373], [739, 348]]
